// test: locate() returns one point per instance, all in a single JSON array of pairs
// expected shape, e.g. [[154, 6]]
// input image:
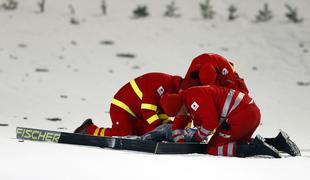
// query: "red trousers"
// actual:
[[242, 125], [124, 124]]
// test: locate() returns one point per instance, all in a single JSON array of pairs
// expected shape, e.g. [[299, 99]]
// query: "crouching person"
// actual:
[[135, 108], [228, 116]]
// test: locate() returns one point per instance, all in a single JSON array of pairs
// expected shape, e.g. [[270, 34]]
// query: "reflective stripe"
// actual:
[[237, 101], [229, 97], [207, 132], [202, 136], [224, 135], [220, 151], [226, 105], [136, 88], [177, 131], [203, 133], [153, 118], [163, 116], [149, 106], [230, 149], [102, 132], [96, 132], [177, 138], [232, 67], [123, 106]]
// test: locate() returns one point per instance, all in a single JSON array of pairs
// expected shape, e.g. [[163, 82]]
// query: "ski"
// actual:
[[119, 143]]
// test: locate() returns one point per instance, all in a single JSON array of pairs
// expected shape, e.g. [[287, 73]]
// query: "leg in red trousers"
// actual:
[[122, 122], [242, 125]]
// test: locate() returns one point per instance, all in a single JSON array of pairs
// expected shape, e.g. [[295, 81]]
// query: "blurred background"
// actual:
[[62, 61]]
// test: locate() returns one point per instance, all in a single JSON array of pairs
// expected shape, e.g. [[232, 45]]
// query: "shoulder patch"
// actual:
[[195, 106], [224, 72], [160, 90]]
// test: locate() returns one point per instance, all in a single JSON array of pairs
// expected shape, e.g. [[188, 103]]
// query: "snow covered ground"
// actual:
[[50, 68]]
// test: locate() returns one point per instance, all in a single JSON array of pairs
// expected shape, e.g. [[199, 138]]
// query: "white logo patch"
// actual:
[[160, 90], [194, 106], [224, 72]]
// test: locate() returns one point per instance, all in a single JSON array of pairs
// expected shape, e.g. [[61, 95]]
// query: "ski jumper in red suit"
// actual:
[[212, 106], [135, 107], [213, 69]]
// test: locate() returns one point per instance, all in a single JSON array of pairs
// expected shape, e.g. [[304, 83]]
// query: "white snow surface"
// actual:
[[83, 75]]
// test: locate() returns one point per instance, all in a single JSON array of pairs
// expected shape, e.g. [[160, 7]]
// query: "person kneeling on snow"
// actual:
[[135, 108], [229, 116]]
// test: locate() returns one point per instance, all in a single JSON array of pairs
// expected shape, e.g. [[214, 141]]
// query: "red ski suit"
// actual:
[[213, 69], [209, 107], [135, 107]]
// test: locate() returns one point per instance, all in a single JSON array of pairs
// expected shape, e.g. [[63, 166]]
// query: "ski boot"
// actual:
[[282, 142], [82, 129], [257, 147]]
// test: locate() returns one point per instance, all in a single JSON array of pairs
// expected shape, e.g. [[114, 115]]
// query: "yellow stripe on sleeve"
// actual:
[[153, 118], [136, 88], [151, 107]]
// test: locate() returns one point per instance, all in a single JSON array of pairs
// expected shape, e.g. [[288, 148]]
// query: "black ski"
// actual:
[[109, 142]]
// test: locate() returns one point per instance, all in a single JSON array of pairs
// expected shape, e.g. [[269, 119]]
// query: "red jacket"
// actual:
[[142, 95], [213, 69], [206, 105]]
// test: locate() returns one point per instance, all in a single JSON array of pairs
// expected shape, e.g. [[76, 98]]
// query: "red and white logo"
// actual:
[[224, 72], [194, 106], [160, 90]]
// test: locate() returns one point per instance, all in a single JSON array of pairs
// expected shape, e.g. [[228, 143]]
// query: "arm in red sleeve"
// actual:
[[149, 108], [181, 122], [209, 118]]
